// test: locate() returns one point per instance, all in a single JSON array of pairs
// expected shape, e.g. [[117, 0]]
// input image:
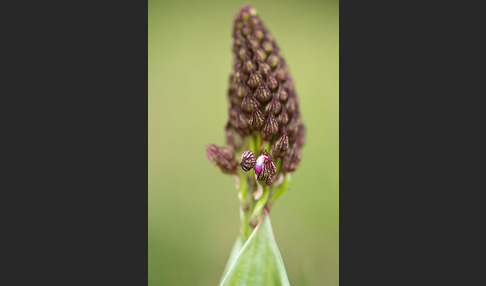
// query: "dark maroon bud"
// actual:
[[262, 93], [300, 137], [242, 123], [270, 128], [292, 129], [235, 101], [289, 84], [291, 105], [267, 47], [248, 161], [256, 119], [233, 117], [265, 169], [240, 90], [245, 29], [260, 55], [281, 75], [254, 80], [283, 117], [264, 68], [254, 43], [274, 106], [248, 66], [283, 95], [249, 102], [281, 145], [238, 76], [258, 34], [238, 42], [238, 25], [272, 61], [242, 53], [292, 159], [233, 139], [254, 21], [245, 14], [272, 83], [222, 157]]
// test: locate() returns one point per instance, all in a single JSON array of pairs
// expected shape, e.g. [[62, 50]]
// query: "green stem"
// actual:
[[258, 142], [244, 206], [257, 211]]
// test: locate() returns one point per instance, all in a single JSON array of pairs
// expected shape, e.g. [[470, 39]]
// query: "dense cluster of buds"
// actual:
[[264, 113]]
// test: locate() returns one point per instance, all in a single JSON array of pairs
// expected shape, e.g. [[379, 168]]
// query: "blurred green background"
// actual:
[[193, 214]]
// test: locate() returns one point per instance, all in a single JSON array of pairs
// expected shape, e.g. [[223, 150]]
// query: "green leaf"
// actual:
[[234, 253], [259, 262]]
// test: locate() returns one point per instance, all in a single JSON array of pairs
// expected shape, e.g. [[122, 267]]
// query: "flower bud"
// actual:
[[272, 83], [262, 93], [274, 106], [291, 105], [300, 137], [258, 34], [259, 54], [248, 161], [270, 128], [256, 119], [283, 95], [292, 159], [242, 123], [242, 53], [222, 157], [245, 29], [240, 90], [233, 139], [248, 66], [249, 102], [267, 47], [283, 117], [265, 169], [272, 61], [281, 145], [281, 75], [264, 68], [254, 43], [254, 80]]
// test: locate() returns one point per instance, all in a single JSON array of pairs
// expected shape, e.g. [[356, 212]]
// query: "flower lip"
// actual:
[[259, 163]]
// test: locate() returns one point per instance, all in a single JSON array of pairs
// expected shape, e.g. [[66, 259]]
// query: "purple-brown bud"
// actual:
[[267, 47], [291, 105], [254, 43], [249, 102], [254, 80], [222, 157], [270, 128], [279, 148], [292, 159], [272, 61], [265, 169], [283, 95], [248, 161], [274, 106], [259, 54], [256, 119], [233, 139], [283, 117], [264, 68], [272, 83], [240, 90], [300, 137], [262, 93]]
